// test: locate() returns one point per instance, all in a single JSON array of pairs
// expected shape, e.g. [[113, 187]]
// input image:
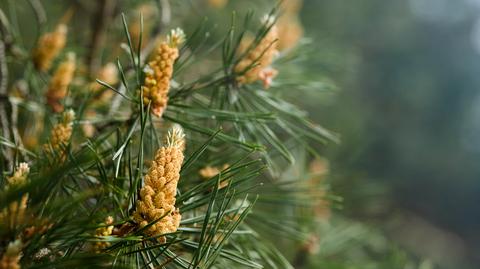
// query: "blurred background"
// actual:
[[408, 111]]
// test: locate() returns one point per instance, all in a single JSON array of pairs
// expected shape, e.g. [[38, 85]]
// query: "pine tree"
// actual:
[[157, 147]]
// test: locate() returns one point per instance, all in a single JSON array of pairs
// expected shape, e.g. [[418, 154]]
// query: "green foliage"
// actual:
[[233, 219]]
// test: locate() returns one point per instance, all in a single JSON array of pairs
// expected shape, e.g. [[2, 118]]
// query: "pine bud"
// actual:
[[159, 73], [15, 212], [48, 47], [108, 74], [11, 257], [60, 135], [319, 170], [88, 127], [210, 171], [157, 196], [40, 227], [104, 231], [58, 86], [20, 175], [256, 63]]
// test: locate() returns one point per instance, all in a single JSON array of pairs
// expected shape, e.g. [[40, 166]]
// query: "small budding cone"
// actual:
[[159, 73], [157, 197], [319, 169], [104, 231], [88, 127], [20, 175], [32, 132], [12, 255], [48, 47], [108, 74], [209, 172], [256, 64], [58, 86], [15, 212], [60, 136], [40, 227]]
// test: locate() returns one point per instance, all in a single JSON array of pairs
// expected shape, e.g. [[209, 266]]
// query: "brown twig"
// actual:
[[8, 121], [103, 16], [5, 126], [5, 34], [16, 134], [123, 229]]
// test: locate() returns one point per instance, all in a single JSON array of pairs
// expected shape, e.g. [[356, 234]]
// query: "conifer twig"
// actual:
[[5, 34], [103, 15], [8, 154], [16, 134], [4, 42], [3, 70]]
